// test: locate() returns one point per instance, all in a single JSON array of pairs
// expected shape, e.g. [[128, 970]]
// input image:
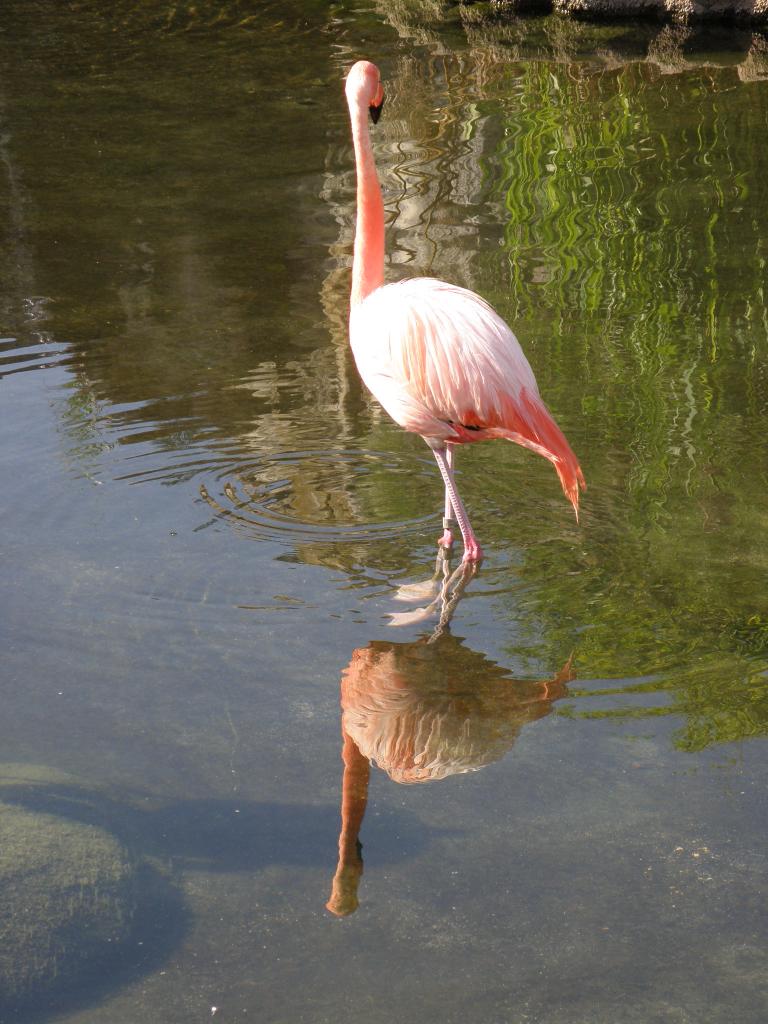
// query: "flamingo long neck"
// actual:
[[368, 262]]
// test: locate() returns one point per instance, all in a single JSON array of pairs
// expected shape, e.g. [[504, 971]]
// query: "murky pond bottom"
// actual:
[[241, 777]]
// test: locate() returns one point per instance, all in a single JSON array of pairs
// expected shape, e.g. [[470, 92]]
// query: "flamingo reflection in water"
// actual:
[[422, 711]]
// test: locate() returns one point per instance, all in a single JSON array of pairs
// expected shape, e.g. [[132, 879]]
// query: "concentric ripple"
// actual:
[[322, 495]]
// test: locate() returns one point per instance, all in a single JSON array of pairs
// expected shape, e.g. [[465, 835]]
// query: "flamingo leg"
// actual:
[[449, 519], [472, 550]]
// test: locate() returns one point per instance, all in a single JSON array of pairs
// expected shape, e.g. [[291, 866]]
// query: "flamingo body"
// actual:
[[438, 358], [445, 365]]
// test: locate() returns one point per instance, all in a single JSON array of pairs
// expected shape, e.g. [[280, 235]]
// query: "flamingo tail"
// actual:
[[531, 425]]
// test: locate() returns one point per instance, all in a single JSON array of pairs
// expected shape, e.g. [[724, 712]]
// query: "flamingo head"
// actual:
[[364, 87]]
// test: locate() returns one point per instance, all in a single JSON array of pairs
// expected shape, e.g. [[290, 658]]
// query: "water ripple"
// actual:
[[318, 495], [17, 358]]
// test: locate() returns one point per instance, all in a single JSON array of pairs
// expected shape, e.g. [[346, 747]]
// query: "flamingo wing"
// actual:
[[435, 355]]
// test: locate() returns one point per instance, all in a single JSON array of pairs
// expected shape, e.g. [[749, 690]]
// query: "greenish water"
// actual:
[[207, 522]]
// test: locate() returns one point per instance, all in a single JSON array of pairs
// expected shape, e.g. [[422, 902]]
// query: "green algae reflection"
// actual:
[[637, 244]]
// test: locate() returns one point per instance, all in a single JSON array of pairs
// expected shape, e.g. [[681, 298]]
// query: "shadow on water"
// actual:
[[165, 841], [221, 835], [209, 835]]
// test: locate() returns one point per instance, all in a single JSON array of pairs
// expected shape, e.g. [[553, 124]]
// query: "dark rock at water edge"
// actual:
[[676, 10], [595, 34], [745, 12]]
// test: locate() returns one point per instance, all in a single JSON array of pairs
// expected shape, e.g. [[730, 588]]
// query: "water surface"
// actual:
[[207, 522]]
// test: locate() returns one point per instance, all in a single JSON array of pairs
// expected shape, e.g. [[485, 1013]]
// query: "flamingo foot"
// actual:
[[472, 551], [446, 540]]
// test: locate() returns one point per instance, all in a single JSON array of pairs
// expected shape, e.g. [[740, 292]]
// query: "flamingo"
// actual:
[[437, 357]]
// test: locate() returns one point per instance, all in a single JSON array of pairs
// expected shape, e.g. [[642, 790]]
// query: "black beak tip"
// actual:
[[375, 112]]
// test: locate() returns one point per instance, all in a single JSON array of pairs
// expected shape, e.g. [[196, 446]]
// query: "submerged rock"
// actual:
[[67, 897]]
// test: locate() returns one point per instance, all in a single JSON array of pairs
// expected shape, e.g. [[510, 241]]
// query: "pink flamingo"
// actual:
[[437, 357]]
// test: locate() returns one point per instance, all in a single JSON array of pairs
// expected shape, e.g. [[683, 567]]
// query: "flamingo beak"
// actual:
[[375, 108]]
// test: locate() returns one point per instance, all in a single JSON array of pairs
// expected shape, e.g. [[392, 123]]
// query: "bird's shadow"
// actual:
[[165, 840], [222, 835]]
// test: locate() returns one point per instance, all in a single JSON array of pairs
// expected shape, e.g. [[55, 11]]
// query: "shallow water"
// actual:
[[208, 523]]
